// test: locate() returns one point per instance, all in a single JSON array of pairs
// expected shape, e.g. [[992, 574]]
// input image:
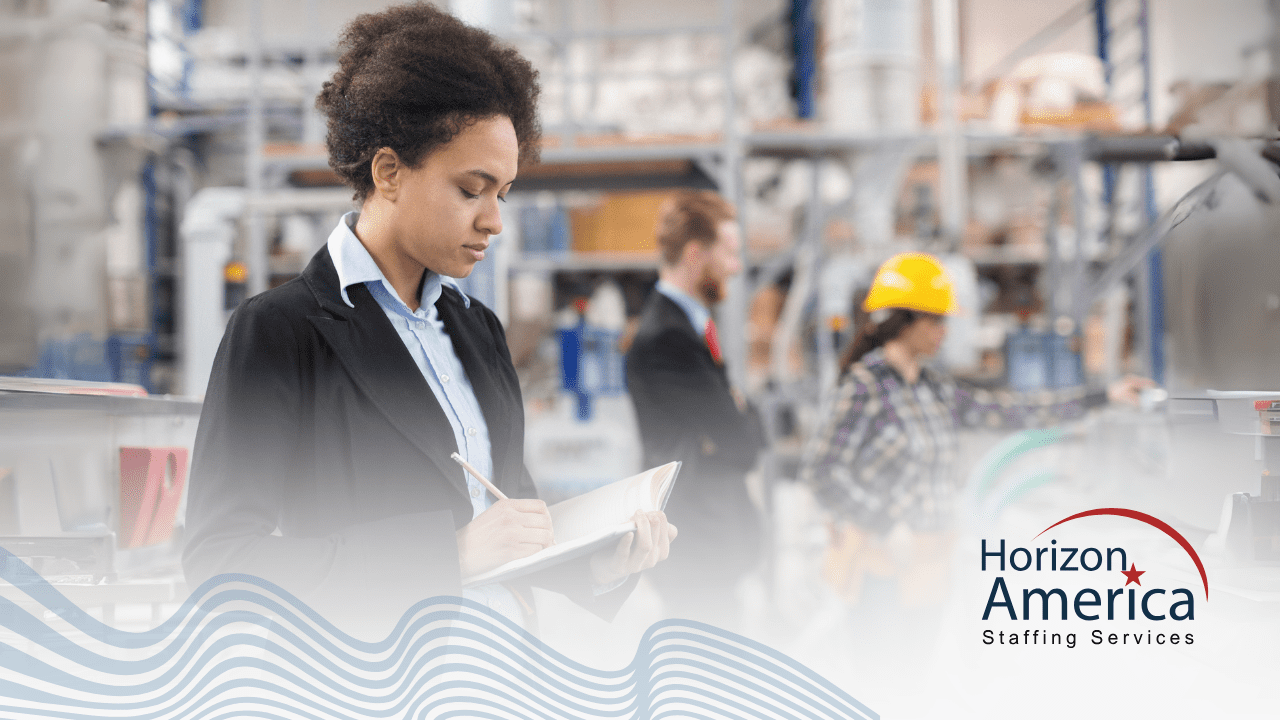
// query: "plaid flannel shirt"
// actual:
[[887, 452]]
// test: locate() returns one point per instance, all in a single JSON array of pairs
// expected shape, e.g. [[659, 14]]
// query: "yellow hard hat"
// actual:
[[915, 281]]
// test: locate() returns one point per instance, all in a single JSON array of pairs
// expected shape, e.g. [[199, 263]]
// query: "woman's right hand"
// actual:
[[508, 530]]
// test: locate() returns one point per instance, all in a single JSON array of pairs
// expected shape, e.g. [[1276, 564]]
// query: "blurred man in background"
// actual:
[[687, 410]]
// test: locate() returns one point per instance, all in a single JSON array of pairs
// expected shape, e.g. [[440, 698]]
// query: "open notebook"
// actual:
[[590, 521]]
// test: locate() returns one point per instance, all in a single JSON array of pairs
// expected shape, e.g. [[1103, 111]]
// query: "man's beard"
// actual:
[[711, 289]]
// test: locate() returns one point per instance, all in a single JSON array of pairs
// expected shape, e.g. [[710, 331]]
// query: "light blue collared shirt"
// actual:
[[427, 340], [697, 312]]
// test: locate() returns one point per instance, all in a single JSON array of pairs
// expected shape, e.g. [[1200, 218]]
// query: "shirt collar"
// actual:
[[697, 312], [874, 355], [874, 361], [354, 265]]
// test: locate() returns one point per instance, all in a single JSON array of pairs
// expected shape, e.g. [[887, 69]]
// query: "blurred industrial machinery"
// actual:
[[1223, 290], [1222, 328], [91, 487]]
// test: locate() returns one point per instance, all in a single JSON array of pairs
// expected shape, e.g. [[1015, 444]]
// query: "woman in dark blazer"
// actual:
[[322, 461]]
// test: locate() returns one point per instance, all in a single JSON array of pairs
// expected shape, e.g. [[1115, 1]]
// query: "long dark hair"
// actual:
[[875, 334]]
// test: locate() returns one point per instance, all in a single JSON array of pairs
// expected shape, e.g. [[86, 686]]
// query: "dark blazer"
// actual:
[[686, 412], [322, 457]]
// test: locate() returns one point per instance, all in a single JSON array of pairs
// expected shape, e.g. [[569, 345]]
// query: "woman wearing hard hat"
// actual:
[[884, 461]]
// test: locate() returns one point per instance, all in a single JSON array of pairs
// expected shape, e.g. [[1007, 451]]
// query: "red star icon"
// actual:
[[1132, 574]]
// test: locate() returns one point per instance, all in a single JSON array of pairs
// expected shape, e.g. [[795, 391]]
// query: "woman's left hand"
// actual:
[[640, 550]]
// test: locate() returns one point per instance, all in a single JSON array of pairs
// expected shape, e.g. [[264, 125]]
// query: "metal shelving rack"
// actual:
[[711, 163], [1076, 280], [566, 163], [571, 164], [1116, 21]]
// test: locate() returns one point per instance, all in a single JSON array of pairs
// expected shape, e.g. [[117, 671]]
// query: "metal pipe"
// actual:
[[953, 164], [1145, 149], [256, 249], [807, 257], [805, 47], [1052, 261], [313, 126], [562, 48], [1155, 261], [1074, 156], [1103, 31], [734, 322], [1133, 255], [1273, 82]]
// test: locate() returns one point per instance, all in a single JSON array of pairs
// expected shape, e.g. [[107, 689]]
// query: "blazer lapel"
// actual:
[[476, 355], [673, 316], [372, 352]]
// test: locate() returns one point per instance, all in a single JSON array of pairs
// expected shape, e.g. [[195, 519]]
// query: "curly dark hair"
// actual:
[[412, 77]]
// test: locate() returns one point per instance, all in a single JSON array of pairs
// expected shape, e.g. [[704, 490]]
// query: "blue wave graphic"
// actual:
[[242, 647]]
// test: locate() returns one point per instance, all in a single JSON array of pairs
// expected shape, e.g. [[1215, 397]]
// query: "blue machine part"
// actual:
[[570, 359], [79, 357], [601, 371], [1024, 359], [1036, 361], [544, 229], [591, 365], [130, 358], [1065, 366], [804, 45], [119, 358]]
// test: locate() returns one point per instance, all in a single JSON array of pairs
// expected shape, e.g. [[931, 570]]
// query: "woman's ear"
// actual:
[[388, 171]]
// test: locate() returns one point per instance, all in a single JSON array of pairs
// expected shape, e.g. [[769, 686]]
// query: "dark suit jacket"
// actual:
[[317, 422], [686, 412]]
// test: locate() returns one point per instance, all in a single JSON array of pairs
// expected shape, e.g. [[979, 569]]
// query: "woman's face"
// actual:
[[924, 336], [447, 208]]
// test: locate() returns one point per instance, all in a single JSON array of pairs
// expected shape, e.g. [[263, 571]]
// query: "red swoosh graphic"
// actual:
[[1153, 522]]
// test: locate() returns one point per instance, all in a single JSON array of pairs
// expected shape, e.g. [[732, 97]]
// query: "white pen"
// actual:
[[476, 474]]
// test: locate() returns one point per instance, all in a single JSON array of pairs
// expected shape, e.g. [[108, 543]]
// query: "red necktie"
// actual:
[[713, 341]]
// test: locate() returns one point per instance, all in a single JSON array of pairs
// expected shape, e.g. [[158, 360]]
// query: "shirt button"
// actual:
[[471, 432], [420, 323], [475, 492], [444, 378]]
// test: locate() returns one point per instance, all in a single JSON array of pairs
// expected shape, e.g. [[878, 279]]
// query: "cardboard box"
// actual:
[[622, 223], [1086, 115]]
